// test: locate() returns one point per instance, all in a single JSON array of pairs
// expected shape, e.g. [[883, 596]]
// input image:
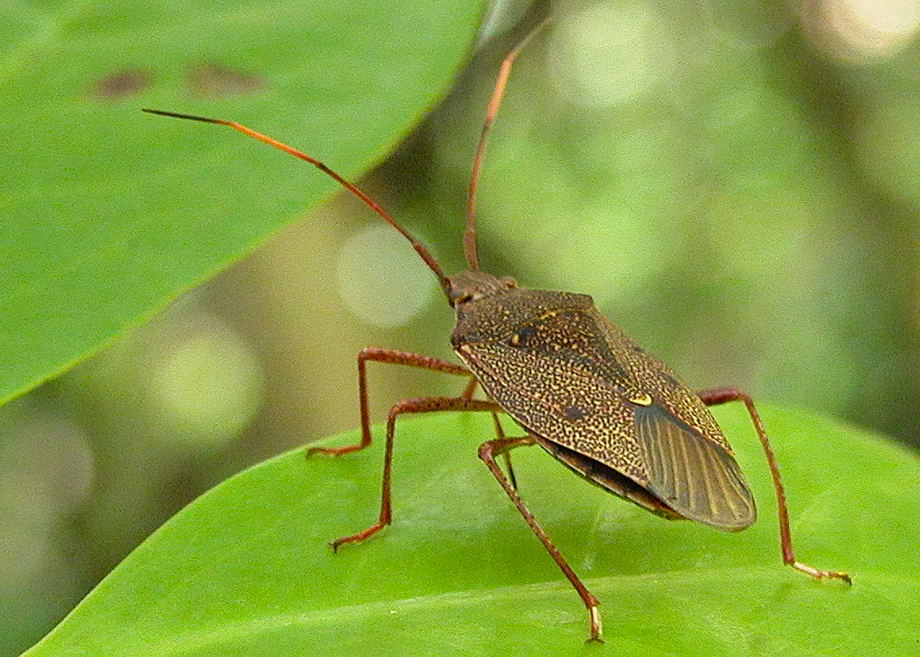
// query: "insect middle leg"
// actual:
[[398, 358], [716, 396], [500, 435], [499, 432], [487, 452], [422, 405]]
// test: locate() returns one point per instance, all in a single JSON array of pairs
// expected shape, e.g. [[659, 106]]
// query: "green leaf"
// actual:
[[246, 569], [108, 213]]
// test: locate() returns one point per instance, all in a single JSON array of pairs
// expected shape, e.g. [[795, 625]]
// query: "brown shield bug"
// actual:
[[576, 385]]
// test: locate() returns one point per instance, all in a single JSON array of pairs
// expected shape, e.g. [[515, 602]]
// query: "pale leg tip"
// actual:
[[596, 629], [822, 574]]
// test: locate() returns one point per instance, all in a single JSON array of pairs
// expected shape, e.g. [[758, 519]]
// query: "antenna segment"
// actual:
[[418, 246], [469, 237]]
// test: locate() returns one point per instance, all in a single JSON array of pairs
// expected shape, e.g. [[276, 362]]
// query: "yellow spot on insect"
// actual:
[[515, 339], [644, 399]]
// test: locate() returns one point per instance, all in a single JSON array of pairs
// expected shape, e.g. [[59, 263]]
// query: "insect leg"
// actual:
[[487, 452], [422, 405], [470, 389], [398, 358], [717, 396], [500, 434]]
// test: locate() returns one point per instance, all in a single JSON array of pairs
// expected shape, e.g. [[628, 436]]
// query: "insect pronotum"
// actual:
[[576, 386]]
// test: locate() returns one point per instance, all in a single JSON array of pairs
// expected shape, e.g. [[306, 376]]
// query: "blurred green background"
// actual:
[[735, 182]]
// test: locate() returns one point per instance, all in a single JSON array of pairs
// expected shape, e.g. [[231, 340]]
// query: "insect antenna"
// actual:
[[418, 246], [469, 237]]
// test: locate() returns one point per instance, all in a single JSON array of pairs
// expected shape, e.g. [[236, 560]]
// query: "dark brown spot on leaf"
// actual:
[[215, 81], [122, 84]]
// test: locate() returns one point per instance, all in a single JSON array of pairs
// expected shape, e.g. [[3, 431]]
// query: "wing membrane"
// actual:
[[690, 474]]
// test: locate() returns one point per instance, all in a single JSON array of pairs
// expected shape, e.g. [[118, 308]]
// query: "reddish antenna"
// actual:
[[418, 246], [469, 237]]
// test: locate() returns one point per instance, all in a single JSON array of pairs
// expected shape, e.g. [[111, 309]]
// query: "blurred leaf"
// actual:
[[245, 570], [108, 213]]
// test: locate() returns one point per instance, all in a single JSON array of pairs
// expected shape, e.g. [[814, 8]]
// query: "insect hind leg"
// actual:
[[716, 396], [487, 452]]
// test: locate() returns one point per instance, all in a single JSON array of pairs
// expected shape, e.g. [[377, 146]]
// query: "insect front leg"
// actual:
[[396, 357], [422, 405], [716, 396], [487, 452]]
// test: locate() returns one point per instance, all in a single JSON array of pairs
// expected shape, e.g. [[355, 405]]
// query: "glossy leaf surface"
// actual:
[[246, 569], [108, 214]]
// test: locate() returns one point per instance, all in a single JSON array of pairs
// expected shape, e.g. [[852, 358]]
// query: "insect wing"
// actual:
[[691, 474], [569, 376]]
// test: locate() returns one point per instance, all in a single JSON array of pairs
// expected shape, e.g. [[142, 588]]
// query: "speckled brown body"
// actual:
[[598, 402], [580, 388]]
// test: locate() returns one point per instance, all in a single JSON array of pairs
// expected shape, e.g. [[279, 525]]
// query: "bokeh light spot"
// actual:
[[46, 471], [609, 54], [46, 467], [857, 29], [381, 279], [209, 385]]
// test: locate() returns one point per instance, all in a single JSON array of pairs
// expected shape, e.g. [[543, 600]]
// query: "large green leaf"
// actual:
[[246, 570], [107, 213]]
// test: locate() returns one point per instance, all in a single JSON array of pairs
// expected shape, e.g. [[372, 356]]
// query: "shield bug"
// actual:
[[576, 385]]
